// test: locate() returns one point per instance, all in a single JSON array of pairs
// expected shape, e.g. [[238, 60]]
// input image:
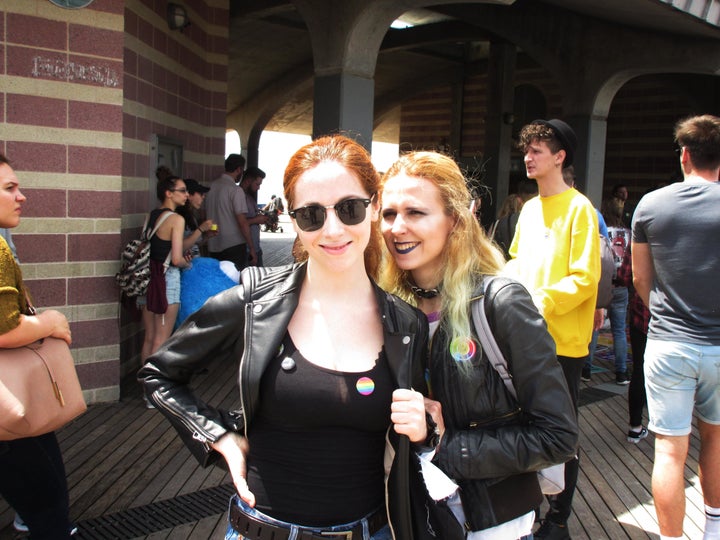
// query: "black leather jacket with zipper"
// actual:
[[246, 325], [493, 444]]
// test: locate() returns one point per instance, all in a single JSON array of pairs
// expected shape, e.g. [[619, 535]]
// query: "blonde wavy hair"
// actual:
[[469, 253]]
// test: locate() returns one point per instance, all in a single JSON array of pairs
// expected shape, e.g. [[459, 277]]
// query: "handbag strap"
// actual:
[[31, 309], [487, 340]]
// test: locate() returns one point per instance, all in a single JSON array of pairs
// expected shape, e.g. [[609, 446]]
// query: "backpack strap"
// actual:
[[487, 340], [159, 221]]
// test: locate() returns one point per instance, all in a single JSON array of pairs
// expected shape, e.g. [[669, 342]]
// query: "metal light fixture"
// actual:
[[177, 17]]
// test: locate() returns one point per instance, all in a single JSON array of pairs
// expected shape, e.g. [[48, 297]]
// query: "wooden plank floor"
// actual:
[[122, 456]]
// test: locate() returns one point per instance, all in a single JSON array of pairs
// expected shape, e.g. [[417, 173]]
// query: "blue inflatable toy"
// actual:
[[198, 283]]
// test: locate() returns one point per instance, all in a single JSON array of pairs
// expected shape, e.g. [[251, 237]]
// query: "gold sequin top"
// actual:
[[13, 300]]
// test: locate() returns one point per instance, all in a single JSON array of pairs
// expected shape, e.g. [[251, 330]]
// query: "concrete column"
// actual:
[[498, 124], [251, 149], [590, 154], [456, 122], [343, 103]]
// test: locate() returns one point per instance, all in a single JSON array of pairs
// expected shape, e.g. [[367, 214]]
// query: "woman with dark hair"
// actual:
[[491, 444], [32, 473], [195, 232], [160, 306], [327, 361]]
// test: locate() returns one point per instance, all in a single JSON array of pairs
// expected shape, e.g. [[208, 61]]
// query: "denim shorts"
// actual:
[[680, 378], [232, 534], [172, 285]]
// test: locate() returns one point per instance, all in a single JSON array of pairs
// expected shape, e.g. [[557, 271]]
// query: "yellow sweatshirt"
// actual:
[[556, 255]]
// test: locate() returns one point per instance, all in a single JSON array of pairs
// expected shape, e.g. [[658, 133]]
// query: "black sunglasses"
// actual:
[[312, 217]]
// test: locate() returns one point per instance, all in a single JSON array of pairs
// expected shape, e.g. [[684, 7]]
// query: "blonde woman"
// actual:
[[490, 445]]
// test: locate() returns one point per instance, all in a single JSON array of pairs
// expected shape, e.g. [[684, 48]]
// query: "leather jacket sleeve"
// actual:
[[215, 332], [546, 430]]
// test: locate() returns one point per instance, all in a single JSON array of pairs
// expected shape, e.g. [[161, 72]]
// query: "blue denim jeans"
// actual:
[[681, 378], [232, 534], [617, 313]]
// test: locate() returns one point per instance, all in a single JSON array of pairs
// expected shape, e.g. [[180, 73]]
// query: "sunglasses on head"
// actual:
[[312, 217]]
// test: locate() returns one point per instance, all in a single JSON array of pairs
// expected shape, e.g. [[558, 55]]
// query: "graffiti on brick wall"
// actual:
[[74, 71]]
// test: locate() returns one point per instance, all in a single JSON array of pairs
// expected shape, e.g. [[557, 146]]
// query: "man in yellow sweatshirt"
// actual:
[[556, 255]]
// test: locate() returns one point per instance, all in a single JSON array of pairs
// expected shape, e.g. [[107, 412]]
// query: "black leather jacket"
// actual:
[[491, 440], [246, 325]]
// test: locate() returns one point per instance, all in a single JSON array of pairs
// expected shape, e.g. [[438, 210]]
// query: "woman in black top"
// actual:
[[162, 302]]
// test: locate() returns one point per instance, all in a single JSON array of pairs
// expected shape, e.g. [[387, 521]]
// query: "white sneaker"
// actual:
[[19, 524]]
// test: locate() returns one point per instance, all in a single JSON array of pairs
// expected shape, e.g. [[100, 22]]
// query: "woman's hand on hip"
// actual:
[[234, 448], [407, 414]]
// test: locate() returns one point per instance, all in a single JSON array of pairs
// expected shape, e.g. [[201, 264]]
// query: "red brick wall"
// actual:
[[62, 119], [86, 89], [642, 117]]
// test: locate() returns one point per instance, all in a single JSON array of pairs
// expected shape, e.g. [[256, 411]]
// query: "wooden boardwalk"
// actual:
[[131, 477]]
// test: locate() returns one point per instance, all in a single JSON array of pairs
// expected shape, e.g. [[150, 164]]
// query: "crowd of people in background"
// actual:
[[369, 406]]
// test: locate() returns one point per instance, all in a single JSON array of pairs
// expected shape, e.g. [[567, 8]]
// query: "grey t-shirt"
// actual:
[[255, 227], [681, 224], [223, 202]]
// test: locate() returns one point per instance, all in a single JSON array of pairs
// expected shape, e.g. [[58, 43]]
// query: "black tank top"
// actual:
[[159, 249], [318, 440]]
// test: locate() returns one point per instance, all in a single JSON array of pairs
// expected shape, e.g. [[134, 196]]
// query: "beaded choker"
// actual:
[[424, 293]]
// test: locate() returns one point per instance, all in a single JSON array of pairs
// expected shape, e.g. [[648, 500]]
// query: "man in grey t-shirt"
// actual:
[[250, 184], [225, 204], [676, 265]]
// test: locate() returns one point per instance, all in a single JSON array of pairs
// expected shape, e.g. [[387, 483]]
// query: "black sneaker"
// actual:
[[552, 531], [585, 374], [621, 378], [636, 436]]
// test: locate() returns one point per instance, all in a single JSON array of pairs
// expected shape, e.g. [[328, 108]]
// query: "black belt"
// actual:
[[253, 528]]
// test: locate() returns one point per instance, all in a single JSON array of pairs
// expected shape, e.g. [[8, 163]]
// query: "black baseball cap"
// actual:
[[566, 136], [193, 186]]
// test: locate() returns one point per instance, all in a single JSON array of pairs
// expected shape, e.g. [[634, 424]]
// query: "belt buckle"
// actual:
[[344, 534]]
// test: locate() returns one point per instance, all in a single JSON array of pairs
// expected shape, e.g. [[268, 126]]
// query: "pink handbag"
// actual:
[[39, 389]]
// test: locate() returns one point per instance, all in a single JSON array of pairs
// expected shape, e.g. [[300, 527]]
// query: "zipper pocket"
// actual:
[[496, 420], [198, 433]]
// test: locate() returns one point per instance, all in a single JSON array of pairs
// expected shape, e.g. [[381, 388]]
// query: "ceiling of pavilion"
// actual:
[[270, 58]]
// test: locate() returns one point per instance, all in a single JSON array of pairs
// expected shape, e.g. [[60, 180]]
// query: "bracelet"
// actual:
[[432, 441]]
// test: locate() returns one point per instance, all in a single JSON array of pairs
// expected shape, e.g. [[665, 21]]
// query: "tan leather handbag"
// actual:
[[39, 389]]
